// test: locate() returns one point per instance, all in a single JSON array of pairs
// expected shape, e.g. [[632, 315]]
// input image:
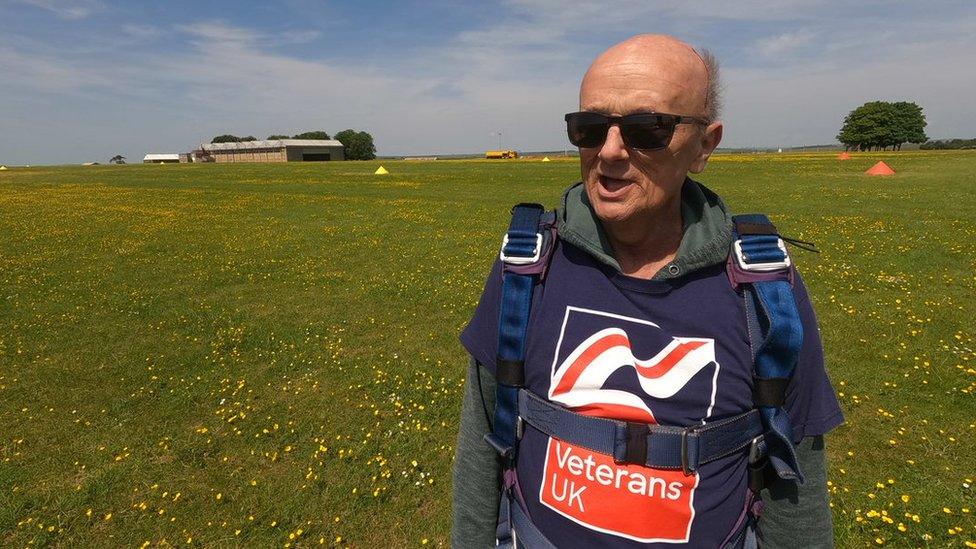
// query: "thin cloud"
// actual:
[[66, 9], [40, 73], [299, 36], [219, 33], [782, 44]]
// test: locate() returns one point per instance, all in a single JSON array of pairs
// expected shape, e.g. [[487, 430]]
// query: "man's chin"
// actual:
[[609, 209], [612, 212]]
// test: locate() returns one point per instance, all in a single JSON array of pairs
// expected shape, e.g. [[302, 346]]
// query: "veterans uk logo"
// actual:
[[619, 367]]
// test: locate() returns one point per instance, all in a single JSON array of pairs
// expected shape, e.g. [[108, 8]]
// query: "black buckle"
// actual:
[[769, 391], [503, 450], [757, 466], [685, 466], [510, 372], [636, 450]]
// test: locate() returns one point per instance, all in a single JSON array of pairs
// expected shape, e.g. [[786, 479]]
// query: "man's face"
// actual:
[[654, 74]]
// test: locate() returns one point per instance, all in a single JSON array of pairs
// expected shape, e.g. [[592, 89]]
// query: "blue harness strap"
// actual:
[[521, 247], [760, 265], [524, 255], [527, 534]]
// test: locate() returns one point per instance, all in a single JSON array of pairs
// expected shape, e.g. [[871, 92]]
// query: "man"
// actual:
[[636, 285]]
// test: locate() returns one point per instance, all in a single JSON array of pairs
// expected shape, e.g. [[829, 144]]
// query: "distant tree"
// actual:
[[363, 147], [346, 137], [313, 135], [867, 126], [248, 138], [275, 137], [357, 145], [909, 123], [117, 159], [880, 124]]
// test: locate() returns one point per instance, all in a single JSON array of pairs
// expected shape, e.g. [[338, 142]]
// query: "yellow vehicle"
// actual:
[[501, 154]]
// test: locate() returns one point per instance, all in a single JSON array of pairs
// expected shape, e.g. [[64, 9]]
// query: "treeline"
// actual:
[[357, 145], [880, 124], [946, 144], [229, 138]]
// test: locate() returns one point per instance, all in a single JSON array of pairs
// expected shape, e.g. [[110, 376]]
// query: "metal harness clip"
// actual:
[[522, 260], [761, 267]]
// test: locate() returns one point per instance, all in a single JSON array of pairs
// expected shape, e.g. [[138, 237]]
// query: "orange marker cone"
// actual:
[[880, 169], [844, 156]]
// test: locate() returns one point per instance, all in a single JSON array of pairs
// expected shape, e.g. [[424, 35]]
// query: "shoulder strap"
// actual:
[[760, 265], [525, 256]]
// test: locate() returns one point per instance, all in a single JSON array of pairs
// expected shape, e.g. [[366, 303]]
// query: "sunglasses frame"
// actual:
[[641, 119]]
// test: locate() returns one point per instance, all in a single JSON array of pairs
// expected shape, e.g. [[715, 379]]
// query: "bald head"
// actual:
[[634, 190], [651, 72]]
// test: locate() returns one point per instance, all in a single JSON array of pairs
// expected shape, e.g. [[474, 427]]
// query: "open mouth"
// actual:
[[611, 187]]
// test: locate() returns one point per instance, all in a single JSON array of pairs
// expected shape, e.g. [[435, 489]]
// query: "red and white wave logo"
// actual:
[[590, 488]]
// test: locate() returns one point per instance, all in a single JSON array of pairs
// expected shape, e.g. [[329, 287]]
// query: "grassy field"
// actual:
[[254, 355]]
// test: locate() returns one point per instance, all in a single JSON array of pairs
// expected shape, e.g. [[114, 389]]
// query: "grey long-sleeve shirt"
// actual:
[[793, 516]]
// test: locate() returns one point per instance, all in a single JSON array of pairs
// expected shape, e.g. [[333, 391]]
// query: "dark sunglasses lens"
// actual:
[[648, 134], [586, 130]]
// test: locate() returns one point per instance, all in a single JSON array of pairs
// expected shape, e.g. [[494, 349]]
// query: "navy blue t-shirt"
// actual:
[[672, 352]]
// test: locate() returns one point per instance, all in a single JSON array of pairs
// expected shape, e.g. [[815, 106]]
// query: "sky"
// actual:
[[83, 80]]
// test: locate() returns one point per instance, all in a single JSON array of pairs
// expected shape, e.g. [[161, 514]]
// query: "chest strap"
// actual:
[[760, 267], [524, 255], [657, 446]]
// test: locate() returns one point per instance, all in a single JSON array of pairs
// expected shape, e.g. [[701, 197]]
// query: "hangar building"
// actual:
[[161, 158], [278, 150]]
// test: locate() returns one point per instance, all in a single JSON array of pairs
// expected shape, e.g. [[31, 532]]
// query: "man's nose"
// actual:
[[613, 148]]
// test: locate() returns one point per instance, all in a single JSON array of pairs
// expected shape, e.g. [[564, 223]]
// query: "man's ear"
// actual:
[[711, 137]]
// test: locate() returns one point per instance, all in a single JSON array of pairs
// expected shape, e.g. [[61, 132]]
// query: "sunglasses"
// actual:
[[645, 131]]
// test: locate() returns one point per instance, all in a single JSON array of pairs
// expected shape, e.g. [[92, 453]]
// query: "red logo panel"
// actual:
[[631, 501]]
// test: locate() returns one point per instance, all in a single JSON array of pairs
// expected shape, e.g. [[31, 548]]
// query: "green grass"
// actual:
[[234, 353]]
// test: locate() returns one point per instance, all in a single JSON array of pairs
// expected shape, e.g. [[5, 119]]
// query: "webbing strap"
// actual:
[[776, 335], [661, 446], [527, 535], [503, 528], [762, 249], [521, 242]]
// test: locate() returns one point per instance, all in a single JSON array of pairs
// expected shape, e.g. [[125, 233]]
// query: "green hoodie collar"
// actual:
[[705, 242]]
